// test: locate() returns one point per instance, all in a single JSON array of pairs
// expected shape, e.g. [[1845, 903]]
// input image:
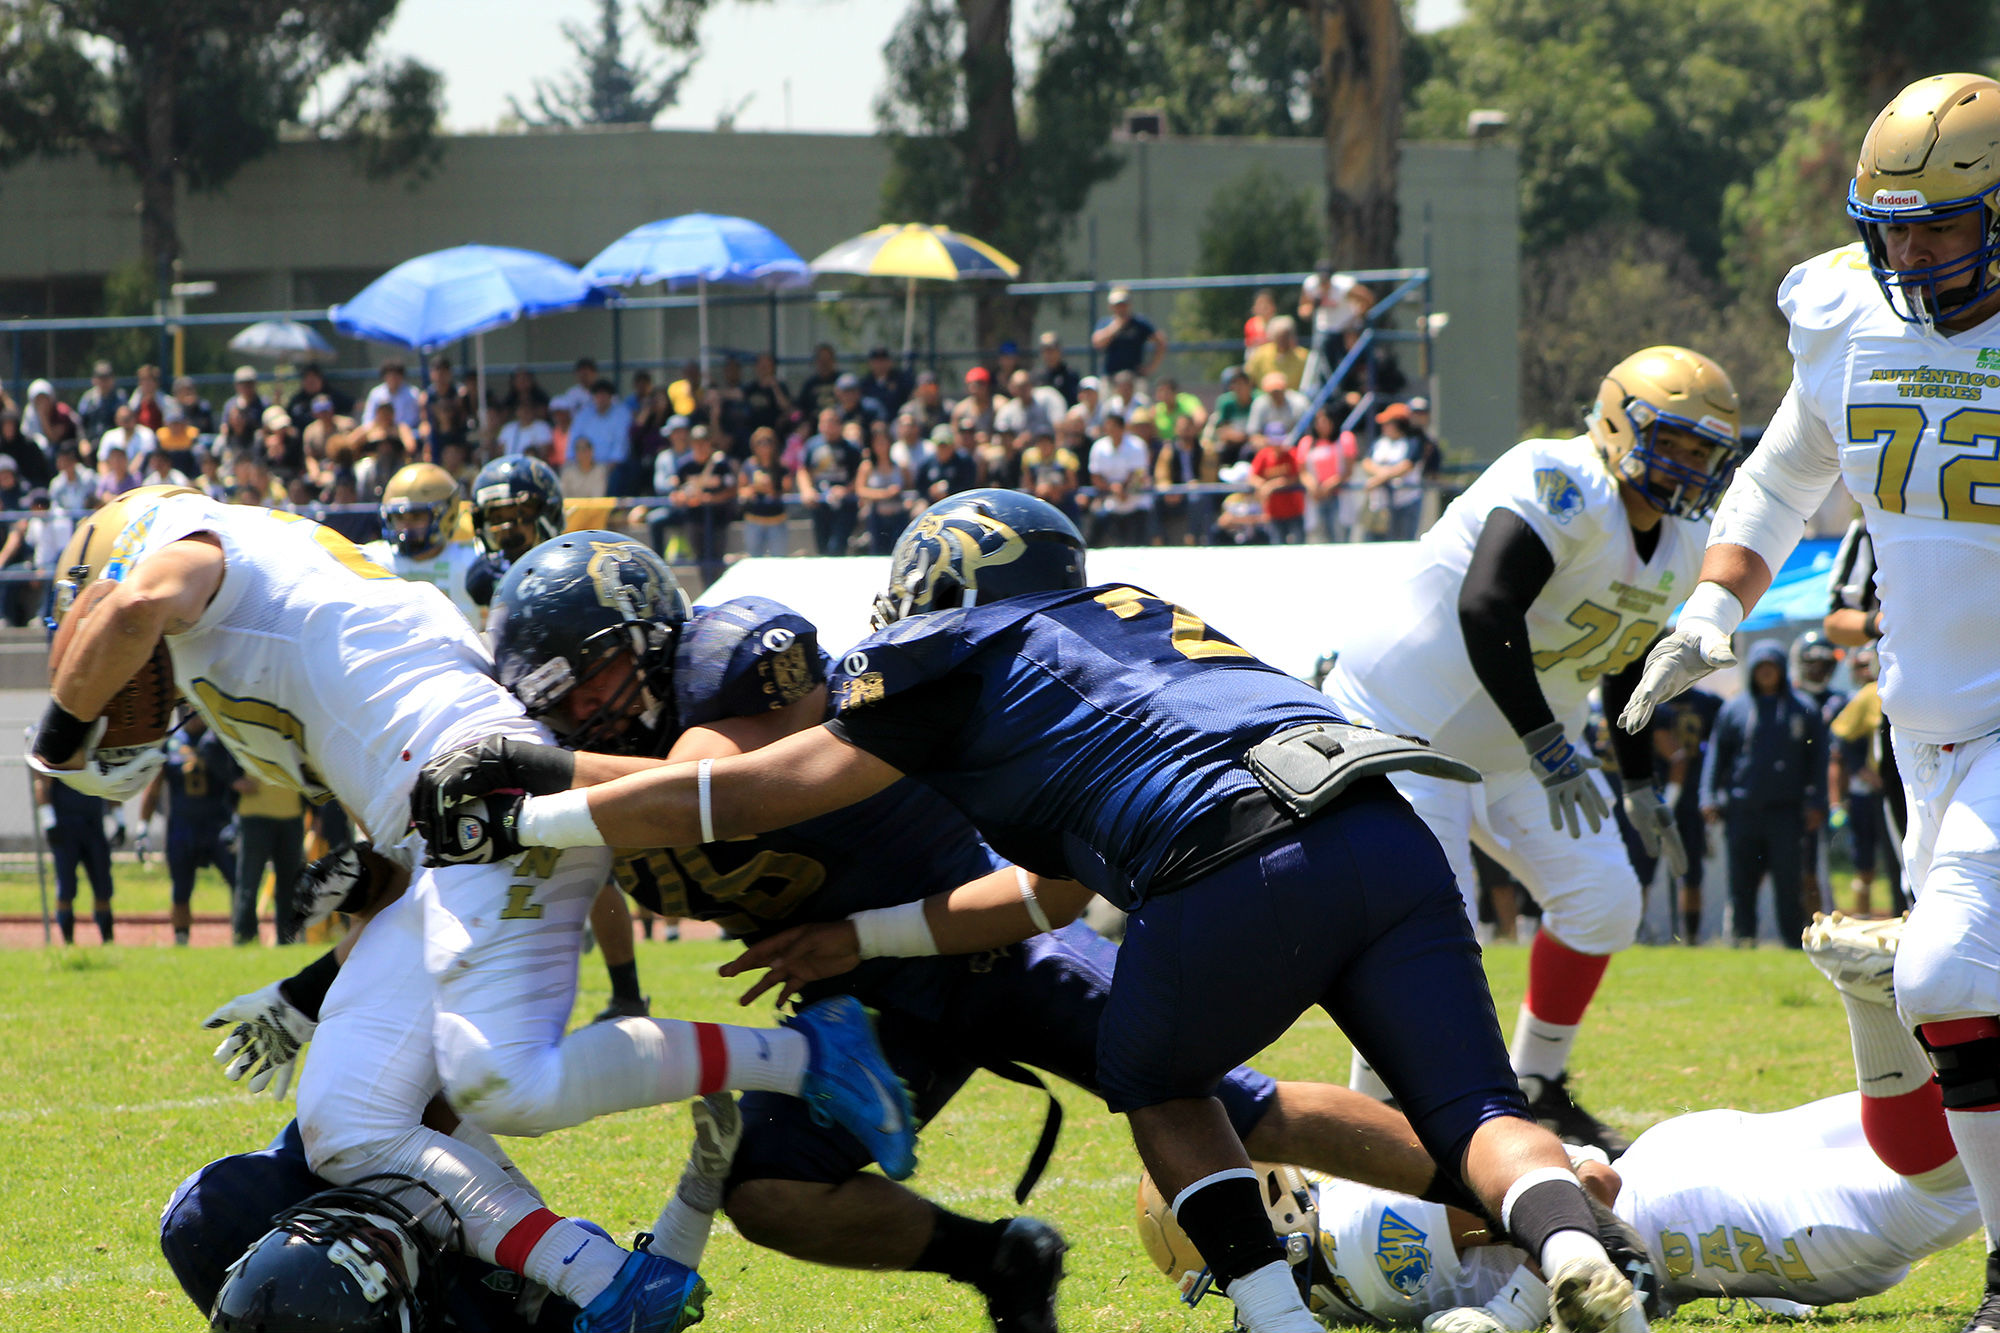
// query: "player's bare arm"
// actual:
[[165, 594], [990, 912]]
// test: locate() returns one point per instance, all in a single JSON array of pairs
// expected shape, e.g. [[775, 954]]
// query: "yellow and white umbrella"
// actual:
[[913, 250]]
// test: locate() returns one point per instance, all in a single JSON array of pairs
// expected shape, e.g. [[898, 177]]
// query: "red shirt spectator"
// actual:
[[1277, 474]]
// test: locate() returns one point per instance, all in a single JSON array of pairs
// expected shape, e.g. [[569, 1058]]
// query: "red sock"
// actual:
[[1909, 1132], [1561, 981], [514, 1248]]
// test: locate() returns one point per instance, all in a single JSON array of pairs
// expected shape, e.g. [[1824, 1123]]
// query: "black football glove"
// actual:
[[498, 763], [475, 833], [347, 879]]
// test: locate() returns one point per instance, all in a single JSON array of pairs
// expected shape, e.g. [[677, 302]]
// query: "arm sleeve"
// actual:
[[1783, 483], [1634, 750], [1510, 566]]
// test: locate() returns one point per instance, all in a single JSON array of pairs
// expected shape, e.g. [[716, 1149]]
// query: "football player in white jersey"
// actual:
[[419, 514], [1559, 566], [326, 674], [1896, 390], [1817, 1205]]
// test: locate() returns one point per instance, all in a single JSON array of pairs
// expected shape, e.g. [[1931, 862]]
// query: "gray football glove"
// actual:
[[265, 1042], [1676, 662], [1653, 820], [1565, 774]]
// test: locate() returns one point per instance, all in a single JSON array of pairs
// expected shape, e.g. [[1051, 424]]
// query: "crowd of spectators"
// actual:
[[722, 461]]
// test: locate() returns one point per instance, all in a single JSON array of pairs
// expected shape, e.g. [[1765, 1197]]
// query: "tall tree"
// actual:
[[971, 150], [190, 91], [608, 88], [1227, 67], [1361, 69]]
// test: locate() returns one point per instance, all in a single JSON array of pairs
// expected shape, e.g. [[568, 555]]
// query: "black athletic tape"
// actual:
[[1544, 1209], [60, 735], [1229, 1227]]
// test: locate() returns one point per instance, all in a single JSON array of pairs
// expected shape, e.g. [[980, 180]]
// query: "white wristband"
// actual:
[[1033, 904], [561, 820], [1712, 604], [703, 798], [894, 932]]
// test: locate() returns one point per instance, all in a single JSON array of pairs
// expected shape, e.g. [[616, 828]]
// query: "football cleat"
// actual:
[[1592, 1296], [1858, 957], [1558, 1113], [651, 1294], [1986, 1319], [1627, 1250], [849, 1083], [1020, 1290], [641, 1007]]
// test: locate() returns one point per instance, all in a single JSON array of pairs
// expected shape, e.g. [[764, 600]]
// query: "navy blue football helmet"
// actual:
[[978, 547], [350, 1260], [517, 502], [573, 607]]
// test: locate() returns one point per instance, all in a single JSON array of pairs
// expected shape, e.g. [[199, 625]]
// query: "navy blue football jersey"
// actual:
[[200, 777], [751, 656], [1084, 732]]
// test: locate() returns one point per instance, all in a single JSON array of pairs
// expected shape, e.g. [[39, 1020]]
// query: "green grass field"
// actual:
[[111, 1100]]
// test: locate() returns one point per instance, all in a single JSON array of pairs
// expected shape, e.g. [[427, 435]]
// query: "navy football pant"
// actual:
[[223, 1209], [192, 846], [940, 1020], [1358, 913], [80, 842]]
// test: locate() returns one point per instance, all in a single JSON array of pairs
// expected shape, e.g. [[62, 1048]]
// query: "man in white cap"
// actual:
[[1126, 338]]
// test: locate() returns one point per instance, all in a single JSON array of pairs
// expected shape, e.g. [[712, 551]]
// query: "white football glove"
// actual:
[[1653, 820], [1522, 1305], [1565, 773], [1675, 663], [116, 775], [265, 1042]]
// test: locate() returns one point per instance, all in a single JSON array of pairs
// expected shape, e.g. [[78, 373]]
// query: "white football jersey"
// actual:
[[1793, 1205], [444, 571], [321, 671], [1918, 441], [1403, 665]]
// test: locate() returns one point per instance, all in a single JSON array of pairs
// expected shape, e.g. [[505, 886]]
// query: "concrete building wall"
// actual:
[[303, 228]]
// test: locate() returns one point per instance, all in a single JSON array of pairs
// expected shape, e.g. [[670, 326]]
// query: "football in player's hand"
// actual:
[[141, 711]]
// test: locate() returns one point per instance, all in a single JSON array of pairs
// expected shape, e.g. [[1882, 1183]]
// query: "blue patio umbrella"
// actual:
[[699, 249], [462, 292]]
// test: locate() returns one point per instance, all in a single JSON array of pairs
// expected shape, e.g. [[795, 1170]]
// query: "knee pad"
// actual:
[[1966, 1054], [1603, 919]]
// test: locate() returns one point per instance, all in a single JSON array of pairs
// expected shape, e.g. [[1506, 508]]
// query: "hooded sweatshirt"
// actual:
[[1768, 750]]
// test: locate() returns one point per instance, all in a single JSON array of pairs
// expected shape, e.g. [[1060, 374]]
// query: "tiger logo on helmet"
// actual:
[[980, 546], [1668, 388], [1931, 155]]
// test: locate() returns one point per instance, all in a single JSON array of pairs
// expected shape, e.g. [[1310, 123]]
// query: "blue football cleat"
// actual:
[[849, 1083], [650, 1295]]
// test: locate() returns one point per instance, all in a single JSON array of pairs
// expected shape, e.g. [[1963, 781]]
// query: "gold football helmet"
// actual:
[[1680, 389], [1288, 1199], [427, 491], [1932, 154], [104, 544]]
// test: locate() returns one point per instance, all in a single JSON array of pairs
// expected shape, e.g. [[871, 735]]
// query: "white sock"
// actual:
[[766, 1059], [1977, 1134], [1888, 1059], [682, 1231], [1567, 1246], [1541, 1049], [574, 1262], [1267, 1301], [1362, 1078]]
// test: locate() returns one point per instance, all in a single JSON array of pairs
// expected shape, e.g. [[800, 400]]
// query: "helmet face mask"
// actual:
[[426, 493], [1681, 392], [1932, 156], [976, 547]]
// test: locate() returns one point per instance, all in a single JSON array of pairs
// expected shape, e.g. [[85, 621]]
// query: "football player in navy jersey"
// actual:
[[747, 673], [1110, 742]]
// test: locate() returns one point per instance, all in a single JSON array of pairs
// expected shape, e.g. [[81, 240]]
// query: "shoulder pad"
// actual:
[[1820, 297], [744, 657], [1556, 485]]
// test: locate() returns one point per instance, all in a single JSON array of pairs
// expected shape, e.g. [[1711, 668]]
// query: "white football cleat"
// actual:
[[1592, 1296], [1858, 957]]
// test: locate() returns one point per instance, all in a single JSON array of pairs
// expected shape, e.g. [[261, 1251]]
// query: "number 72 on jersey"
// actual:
[[1964, 468]]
